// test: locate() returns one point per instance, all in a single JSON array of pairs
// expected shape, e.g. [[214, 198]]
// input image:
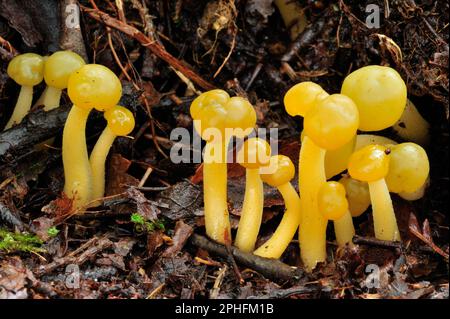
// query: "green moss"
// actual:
[[19, 242], [141, 225]]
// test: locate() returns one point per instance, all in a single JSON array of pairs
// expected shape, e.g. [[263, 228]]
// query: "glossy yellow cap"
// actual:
[[281, 170], [300, 98], [94, 85], [215, 110], [120, 120], [369, 164], [408, 168], [26, 69], [380, 94], [333, 122], [254, 153], [332, 201], [59, 66], [358, 195]]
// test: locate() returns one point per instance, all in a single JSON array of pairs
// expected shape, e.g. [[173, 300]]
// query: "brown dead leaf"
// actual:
[[118, 180], [154, 241], [182, 234], [145, 208], [415, 229], [59, 208], [13, 278], [41, 225]]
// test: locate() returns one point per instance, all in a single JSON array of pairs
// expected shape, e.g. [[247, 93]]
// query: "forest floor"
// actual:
[[147, 239]]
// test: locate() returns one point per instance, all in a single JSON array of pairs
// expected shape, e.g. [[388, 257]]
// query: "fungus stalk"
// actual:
[[385, 223], [281, 171], [313, 225], [371, 164], [344, 229], [77, 171], [23, 105], [254, 154], [412, 126], [217, 220], [215, 112], [26, 70], [333, 204], [91, 85], [120, 123]]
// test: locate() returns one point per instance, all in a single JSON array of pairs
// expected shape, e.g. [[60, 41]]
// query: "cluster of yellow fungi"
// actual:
[[372, 98], [88, 86]]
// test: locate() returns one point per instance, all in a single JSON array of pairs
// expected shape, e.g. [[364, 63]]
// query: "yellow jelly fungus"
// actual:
[[120, 123], [57, 69], [91, 86], [358, 195], [333, 122], [331, 200], [281, 171], [27, 71], [214, 112], [255, 153], [408, 168], [334, 205], [300, 98], [94, 85], [371, 164], [412, 126], [380, 94], [330, 122]]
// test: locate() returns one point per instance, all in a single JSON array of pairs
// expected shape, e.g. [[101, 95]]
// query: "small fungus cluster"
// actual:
[[88, 86], [372, 98]]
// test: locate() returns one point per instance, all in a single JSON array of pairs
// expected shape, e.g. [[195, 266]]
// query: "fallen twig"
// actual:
[[35, 128], [90, 248], [152, 45], [370, 241], [270, 268]]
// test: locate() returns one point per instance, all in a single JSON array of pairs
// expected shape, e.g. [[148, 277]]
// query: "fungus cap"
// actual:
[[358, 195], [254, 153], [94, 85], [240, 116], [215, 111], [332, 201], [300, 98], [59, 66], [369, 164], [213, 97], [408, 168], [26, 69], [120, 120], [379, 93], [281, 170], [333, 122]]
